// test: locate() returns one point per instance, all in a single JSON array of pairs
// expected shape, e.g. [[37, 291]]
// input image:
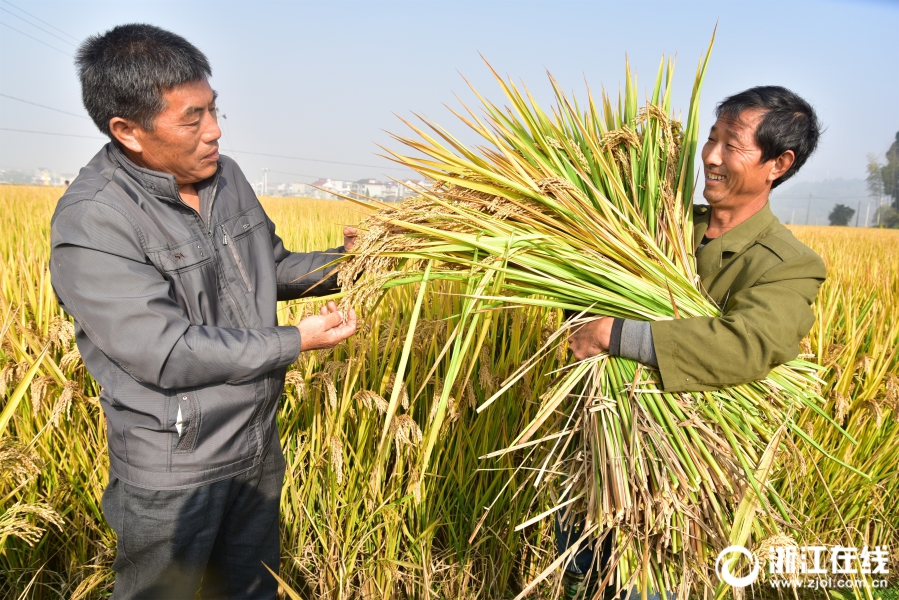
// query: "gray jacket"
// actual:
[[175, 313]]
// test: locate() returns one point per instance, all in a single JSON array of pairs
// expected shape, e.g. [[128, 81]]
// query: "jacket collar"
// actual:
[[162, 185], [709, 259], [157, 183]]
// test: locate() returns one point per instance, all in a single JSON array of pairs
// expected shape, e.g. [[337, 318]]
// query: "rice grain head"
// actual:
[[18, 462], [70, 390], [39, 387], [61, 332], [336, 447], [370, 399]]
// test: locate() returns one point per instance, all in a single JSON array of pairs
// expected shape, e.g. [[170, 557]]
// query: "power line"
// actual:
[[297, 174], [90, 137], [41, 20], [36, 27], [333, 162], [818, 197], [37, 40], [65, 112]]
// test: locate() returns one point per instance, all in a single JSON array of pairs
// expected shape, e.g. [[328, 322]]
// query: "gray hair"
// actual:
[[125, 72]]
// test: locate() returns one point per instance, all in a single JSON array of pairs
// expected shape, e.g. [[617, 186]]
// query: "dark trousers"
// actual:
[[221, 534], [592, 557]]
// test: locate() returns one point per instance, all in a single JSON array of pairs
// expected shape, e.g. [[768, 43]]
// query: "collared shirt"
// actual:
[[764, 280]]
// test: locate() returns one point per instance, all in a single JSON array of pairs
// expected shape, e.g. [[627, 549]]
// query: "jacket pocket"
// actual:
[[233, 230], [189, 268], [182, 257], [244, 224], [188, 429]]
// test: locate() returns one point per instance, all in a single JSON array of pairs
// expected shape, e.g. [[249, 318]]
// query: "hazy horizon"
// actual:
[[324, 80]]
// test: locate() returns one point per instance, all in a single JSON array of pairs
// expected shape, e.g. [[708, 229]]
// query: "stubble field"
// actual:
[[358, 526]]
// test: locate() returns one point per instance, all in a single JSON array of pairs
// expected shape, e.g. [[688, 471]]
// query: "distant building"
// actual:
[[298, 188], [411, 187], [335, 186], [371, 188]]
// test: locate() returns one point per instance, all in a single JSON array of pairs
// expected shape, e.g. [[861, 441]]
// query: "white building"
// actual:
[[335, 186], [410, 188], [370, 187]]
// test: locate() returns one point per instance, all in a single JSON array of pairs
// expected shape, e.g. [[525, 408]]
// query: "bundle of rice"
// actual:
[[588, 209]]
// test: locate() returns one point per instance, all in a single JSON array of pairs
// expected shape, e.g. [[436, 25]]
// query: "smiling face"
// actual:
[[735, 175], [184, 140]]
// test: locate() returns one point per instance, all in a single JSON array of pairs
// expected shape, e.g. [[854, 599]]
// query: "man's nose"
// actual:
[[711, 154], [213, 131]]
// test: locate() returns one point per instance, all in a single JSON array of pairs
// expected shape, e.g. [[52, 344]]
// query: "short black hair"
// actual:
[[125, 72], [788, 123]]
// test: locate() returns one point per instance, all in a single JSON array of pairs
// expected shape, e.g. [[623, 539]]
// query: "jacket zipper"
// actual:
[[208, 226], [243, 272]]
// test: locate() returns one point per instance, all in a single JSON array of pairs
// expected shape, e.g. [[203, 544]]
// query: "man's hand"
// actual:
[[592, 338], [326, 329], [349, 237]]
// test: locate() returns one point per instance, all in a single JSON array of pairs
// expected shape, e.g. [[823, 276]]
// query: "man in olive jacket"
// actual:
[[171, 269], [763, 279]]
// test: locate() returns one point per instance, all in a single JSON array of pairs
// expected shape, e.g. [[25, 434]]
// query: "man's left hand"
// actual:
[[349, 238], [591, 338]]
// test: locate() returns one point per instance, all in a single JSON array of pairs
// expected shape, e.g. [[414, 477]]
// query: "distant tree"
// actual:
[[874, 180], [840, 215], [887, 216], [890, 173], [874, 183]]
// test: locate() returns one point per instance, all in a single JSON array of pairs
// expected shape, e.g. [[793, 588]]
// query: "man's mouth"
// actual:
[[214, 155], [715, 177]]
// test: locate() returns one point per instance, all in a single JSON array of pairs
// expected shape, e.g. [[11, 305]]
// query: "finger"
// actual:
[[332, 306], [349, 325], [323, 311], [343, 332], [332, 320], [350, 231]]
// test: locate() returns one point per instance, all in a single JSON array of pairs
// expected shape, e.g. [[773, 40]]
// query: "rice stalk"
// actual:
[[589, 211]]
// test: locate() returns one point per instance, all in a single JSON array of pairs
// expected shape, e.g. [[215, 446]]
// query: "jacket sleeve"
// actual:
[[123, 303], [761, 328], [303, 274]]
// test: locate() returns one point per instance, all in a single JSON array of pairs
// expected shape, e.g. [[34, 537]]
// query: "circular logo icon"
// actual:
[[722, 567]]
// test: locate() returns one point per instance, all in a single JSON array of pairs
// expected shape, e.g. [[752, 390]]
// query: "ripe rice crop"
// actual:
[[352, 524], [586, 207]]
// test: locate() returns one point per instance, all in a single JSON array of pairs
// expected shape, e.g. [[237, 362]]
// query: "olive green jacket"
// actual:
[[764, 280]]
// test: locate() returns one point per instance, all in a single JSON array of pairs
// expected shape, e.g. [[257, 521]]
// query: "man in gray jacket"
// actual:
[[171, 270]]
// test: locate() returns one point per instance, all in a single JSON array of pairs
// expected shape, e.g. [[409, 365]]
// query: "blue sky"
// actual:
[[322, 80]]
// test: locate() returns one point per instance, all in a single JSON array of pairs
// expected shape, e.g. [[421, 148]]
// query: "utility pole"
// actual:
[[858, 212], [867, 212], [808, 209], [793, 216], [264, 181]]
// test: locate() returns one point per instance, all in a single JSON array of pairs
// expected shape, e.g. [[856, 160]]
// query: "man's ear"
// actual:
[[781, 165], [125, 132]]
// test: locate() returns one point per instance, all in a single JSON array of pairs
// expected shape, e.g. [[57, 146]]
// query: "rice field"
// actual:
[[358, 519]]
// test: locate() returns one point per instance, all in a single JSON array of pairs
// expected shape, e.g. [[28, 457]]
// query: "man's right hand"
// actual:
[[326, 329]]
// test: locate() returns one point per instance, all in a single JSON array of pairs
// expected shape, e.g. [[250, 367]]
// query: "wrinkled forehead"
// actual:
[[740, 125], [189, 98]]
